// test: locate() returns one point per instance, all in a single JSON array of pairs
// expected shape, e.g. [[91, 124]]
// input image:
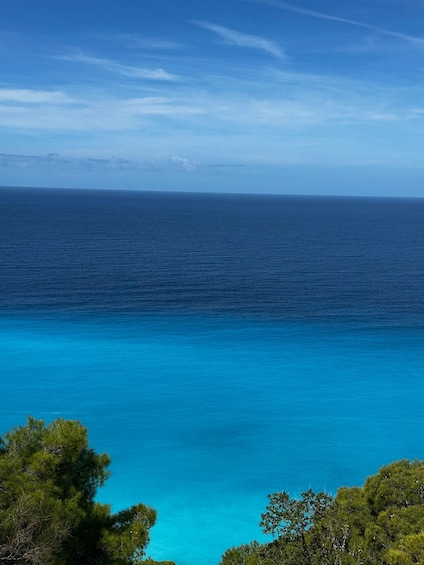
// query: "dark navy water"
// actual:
[[218, 347]]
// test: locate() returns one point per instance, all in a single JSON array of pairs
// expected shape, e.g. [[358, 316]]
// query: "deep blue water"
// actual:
[[217, 347]]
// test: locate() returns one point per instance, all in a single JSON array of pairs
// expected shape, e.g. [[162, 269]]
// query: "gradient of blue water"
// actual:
[[218, 349]]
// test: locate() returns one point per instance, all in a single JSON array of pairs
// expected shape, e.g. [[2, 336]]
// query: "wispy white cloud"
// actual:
[[293, 100], [154, 43], [26, 96], [50, 110], [243, 39], [126, 70], [159, 106], [324, 16], [298, 116]]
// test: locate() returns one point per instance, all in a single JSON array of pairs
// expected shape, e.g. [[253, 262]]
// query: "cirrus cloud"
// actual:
[[126, 70], [243, 39]]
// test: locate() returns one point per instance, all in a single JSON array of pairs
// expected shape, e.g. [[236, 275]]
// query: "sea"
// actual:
[[219, 347]]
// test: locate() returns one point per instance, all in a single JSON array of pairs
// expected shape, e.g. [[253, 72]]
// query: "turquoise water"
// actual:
[[203, 416], [218, 347]]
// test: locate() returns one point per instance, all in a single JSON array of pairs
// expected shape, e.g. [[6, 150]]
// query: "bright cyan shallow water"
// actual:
[[218, 347]]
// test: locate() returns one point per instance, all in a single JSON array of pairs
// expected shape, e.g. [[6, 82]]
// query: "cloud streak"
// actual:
[[125, 70], [243, 39], [324, 16], [54, 110], [136, 42], [26, 96], [293, 100]]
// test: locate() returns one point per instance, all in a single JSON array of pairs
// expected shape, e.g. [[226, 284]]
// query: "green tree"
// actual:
[[381, 523], [291, 519], [248, 554], [49, 477], [409, 550], [400, 484]]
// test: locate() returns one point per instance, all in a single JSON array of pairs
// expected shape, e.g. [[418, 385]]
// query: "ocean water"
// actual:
[[218, 347]]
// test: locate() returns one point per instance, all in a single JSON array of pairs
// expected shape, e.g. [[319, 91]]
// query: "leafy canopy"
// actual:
[[381, 523], [49, 476]]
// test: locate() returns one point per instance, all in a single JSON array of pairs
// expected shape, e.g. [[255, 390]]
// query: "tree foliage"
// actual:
[[49, 477], [380, 523]]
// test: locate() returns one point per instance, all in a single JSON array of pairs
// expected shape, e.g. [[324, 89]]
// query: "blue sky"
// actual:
[[311, 97]]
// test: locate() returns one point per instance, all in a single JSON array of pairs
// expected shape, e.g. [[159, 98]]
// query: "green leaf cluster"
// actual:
[[381, 523], [49, 477]]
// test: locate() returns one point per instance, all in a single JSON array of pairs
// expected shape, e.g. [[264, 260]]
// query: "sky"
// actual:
[[263, 96]]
